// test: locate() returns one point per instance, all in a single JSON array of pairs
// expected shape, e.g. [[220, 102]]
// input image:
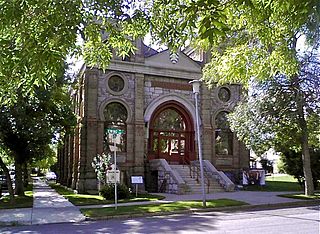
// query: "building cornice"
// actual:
[[155, 70]]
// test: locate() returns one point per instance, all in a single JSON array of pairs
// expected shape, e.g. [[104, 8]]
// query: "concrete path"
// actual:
[[48, 207], [252, 198]]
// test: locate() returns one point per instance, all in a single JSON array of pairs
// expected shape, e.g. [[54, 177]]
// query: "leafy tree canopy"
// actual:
[[268, 116], [37, 36]]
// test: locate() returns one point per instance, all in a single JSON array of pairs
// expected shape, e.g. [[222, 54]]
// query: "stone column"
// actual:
[[75, 157], [205, 115], [139, 128], [88, 140]]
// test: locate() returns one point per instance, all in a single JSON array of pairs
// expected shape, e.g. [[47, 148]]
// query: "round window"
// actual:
[[116, 83], [224, 94]]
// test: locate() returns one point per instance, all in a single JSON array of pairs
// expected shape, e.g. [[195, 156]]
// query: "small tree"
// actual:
[[292, 165], [101, 163]]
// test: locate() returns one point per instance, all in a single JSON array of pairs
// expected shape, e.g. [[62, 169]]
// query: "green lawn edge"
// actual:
[[278, 183], [25, 201], [159, 208], [87, 199], [302, 196]]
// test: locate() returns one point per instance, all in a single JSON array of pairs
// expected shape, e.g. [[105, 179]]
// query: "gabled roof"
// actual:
[[162, 59], [148, 51]]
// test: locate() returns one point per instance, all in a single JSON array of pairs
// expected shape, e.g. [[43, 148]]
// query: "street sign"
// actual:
[[113, 176], [115, 131]]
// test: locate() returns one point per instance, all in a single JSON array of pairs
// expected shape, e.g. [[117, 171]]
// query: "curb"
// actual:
[[218, 209]]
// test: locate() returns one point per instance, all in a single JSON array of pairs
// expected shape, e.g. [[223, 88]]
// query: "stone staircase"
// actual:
[[194, 187]]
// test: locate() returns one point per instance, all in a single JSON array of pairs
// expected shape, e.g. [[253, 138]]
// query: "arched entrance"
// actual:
[[171, 134]]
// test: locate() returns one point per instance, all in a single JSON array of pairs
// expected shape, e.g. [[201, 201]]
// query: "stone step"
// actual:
[[194, 187]]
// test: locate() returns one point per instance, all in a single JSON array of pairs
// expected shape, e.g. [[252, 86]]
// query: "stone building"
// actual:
[[148, 98]]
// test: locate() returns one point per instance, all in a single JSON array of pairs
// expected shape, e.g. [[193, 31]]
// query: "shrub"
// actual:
[[107, 191]]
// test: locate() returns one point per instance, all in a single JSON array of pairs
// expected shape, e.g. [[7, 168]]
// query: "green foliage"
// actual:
[[268, 116], [48, 161], [292, 164], [37, 36], [107, 191], [28, 127], [101, 163]]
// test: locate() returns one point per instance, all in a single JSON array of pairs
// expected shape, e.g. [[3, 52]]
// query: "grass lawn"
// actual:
[[19, 201], [86, 199], [301, 196], [277, 183], [154, 208]]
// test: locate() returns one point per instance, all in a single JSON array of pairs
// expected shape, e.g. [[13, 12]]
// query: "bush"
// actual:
[[107, 191]]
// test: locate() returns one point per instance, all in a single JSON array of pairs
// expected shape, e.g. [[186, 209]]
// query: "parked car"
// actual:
[[12, 175], [51, 176], [3, 182]]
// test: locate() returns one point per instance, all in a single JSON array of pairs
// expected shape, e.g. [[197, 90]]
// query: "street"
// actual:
[[288, 220]]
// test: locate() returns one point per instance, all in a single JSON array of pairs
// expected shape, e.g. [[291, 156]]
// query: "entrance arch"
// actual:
[[171, 134]]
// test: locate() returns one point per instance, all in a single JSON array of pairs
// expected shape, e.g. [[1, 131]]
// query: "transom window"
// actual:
[[115, 118], [223, 135], [169, 119]]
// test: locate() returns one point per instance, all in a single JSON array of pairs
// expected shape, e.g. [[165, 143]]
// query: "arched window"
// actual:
[[223, 135], [115, 115]]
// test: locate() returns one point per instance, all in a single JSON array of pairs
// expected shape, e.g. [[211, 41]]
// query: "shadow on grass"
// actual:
[[301, 196], [87, 199], [25, 201], [156, 208]]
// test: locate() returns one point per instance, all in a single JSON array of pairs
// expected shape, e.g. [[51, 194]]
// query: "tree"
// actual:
[[282, 113], [292, 164], [248, 39], [28, 126]]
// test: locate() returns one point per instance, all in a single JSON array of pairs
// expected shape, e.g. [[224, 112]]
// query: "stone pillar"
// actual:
[[75, 157], [139, 129], [205, 115], [88, 140], [70, 159], [65, 161]]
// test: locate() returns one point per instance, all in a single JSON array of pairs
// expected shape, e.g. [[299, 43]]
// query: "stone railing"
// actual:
[[223, 180], [169, 181]]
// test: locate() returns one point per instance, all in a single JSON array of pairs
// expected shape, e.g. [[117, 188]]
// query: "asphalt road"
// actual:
[[290, 220]]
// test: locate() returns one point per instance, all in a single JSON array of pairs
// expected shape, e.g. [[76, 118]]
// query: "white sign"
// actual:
[[113, 176], [136, 180]]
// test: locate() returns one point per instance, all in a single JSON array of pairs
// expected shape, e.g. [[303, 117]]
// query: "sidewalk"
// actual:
[[48, 207]]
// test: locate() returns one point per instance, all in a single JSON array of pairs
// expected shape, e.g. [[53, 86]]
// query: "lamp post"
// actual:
[[196, 90]]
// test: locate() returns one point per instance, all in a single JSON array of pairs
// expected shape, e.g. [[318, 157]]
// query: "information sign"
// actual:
[[113, 176], [136, 180]]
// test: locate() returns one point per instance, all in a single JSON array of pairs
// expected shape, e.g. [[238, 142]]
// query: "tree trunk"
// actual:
[[25, 175], [308, 182], [19, 190], [9, 181], [304, 141]]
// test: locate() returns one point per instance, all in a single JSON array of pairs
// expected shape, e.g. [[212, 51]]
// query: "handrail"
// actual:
[[196, 169], [223, 180]]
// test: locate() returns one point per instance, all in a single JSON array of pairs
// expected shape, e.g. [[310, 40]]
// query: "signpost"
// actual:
[[114, 133], [136, 180]]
